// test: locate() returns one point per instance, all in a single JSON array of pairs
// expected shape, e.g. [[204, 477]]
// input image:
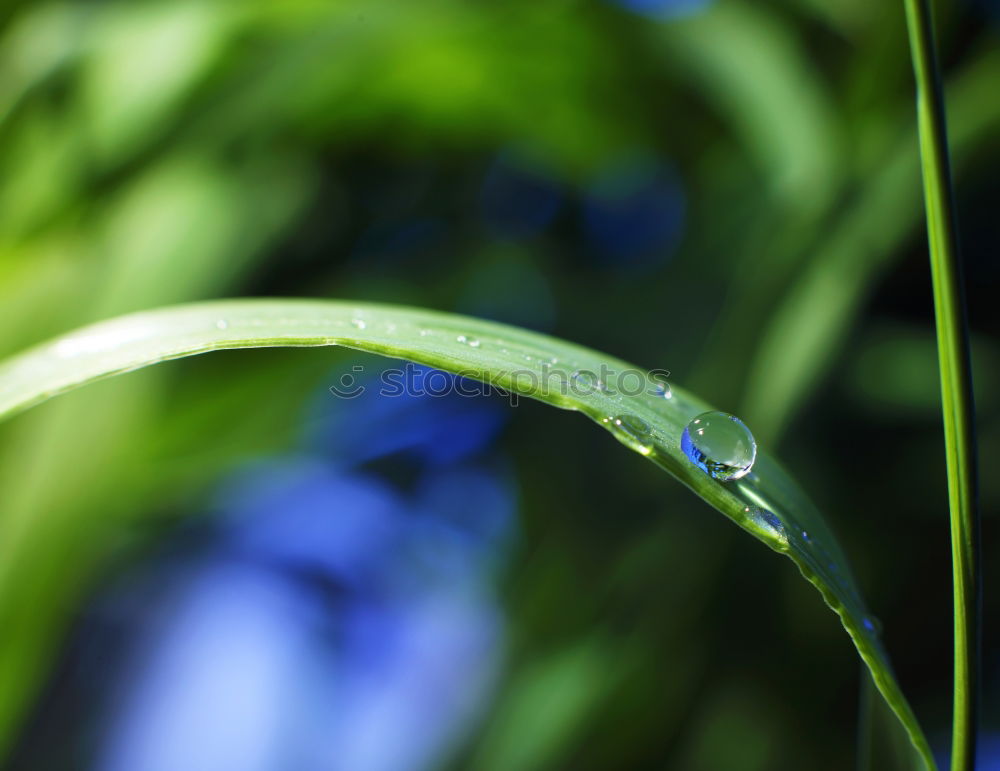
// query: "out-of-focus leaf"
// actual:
[[806, 329], [142, 60], [748, 64], [41, 41], [544, 708], [182, 229]]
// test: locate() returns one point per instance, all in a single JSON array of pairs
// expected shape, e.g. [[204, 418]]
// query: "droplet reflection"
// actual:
[[719, 444]]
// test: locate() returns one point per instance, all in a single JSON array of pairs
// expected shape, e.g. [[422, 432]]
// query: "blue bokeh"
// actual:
[[633, 213], [407, 240], [518, 199], [987, 753], [336, 618], [663, 9], [408, 410]]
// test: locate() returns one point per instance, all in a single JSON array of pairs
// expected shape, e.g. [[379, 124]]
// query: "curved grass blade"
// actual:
[[640, 411]]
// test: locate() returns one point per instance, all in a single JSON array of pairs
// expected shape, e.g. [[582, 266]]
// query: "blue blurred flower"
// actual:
[[987, 753], [339, 619], [401, 241], [633, 212], [664, 9], [441, 428], [518, 198]]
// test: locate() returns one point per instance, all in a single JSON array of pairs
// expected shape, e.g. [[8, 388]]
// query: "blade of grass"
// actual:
[[636, 409], [956, 379]]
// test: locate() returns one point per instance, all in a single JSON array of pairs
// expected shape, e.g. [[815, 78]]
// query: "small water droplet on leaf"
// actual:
[[587, 381], [768, 522], [662, 391], [632, 431]]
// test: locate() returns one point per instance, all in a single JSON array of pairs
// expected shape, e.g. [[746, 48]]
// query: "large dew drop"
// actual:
[[719, 444]]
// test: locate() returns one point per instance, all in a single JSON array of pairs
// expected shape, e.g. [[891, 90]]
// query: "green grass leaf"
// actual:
[[957, 402], [621, 398]]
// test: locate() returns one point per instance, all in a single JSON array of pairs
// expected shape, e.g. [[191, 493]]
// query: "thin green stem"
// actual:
[[956, 380]]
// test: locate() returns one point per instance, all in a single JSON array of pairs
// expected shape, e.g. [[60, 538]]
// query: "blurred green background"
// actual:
[[728, 190]]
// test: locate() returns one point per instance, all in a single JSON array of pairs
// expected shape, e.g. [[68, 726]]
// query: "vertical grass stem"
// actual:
[[956, 379]]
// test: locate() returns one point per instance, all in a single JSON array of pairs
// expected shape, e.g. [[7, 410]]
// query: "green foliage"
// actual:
[[622, 399], [132, 178]]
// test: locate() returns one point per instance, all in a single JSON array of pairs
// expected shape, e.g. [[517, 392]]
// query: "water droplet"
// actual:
[[221, 324], [633, 431], [662, 391], [587, 381], [424, 332], [872, 624], [358, 323], [767, 521], [805, 537], [719, 444], [469, 341]]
